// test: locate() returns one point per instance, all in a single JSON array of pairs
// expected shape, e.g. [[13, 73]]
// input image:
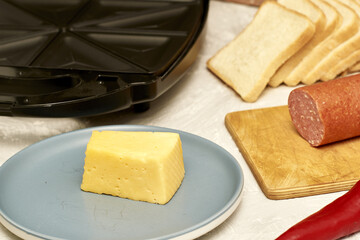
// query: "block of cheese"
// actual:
[[142, 166]]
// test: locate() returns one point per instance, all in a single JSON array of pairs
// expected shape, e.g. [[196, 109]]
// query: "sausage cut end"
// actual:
[[306, 118]]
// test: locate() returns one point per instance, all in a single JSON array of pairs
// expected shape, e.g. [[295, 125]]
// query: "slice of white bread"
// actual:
[[316, 15], [248, 61], [336, 47], [290, 73], [353, 56], [354, 68]]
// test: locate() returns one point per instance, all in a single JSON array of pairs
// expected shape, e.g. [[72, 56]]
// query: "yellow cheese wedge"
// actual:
[[143, 166]]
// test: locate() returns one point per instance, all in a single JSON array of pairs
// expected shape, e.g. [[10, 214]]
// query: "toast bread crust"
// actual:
[[327, 53], [317, 16], [353, 52], [244, 65]]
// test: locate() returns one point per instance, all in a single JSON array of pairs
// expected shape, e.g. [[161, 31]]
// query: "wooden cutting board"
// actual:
[[283, 163]]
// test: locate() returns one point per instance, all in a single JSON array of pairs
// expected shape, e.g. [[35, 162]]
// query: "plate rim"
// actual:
[[194, 231]]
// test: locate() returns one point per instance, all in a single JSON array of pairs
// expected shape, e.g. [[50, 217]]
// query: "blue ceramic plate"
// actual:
[[40, 194]]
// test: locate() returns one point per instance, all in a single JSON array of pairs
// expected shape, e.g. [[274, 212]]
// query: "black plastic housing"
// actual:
[[72, 58]]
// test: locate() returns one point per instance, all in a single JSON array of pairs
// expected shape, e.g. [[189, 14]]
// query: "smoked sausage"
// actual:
[[327, 112]]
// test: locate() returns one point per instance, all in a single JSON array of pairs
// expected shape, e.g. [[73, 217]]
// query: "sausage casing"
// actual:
[[327, 112]]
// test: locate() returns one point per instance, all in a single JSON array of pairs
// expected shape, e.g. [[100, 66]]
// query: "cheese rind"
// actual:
[[143, 166]]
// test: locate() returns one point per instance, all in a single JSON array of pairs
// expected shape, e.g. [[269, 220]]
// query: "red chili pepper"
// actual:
[[337, 219]]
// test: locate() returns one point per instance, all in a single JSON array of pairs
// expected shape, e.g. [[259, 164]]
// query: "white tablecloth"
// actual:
[[197, 104]]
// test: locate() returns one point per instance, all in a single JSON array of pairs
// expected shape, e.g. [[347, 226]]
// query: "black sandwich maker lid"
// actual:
[[71, 58]]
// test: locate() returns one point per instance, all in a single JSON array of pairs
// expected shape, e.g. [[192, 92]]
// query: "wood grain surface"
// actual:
[[283, 163]]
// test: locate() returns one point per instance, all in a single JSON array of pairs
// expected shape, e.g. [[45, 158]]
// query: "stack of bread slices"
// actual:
[[291, 42]]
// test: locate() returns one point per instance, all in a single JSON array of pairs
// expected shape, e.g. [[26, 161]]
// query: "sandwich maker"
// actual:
[[73, 58]]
